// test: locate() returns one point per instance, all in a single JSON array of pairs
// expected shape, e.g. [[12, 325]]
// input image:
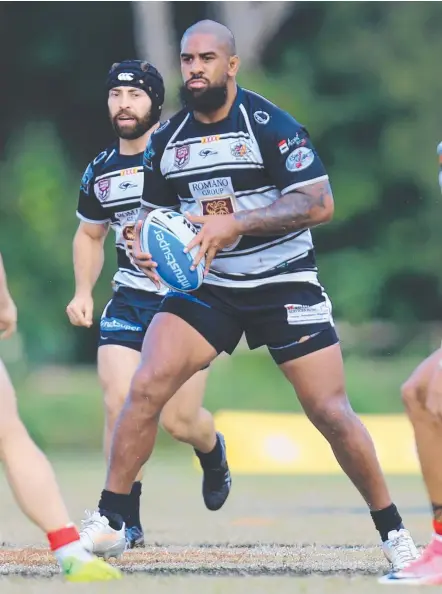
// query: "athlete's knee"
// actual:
[[151, 389], [114, 398], [411, 398], [334, 415], [178, 423]]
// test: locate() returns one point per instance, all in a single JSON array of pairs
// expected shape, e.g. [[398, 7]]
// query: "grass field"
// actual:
[[62, 406], [287, 534]]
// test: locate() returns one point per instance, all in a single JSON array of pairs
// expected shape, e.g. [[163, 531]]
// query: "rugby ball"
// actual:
[[164, 234]]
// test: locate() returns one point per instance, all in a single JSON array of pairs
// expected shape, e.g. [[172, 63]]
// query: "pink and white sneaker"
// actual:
[[426, 570]]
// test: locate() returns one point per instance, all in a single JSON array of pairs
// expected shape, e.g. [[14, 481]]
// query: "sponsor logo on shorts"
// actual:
[[298, 314], [117, 325], [126, 185]]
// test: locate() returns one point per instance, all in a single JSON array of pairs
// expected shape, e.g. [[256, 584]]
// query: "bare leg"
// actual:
[[185, 418], [427, 429], [116, 367], [162, 372], [318, 379], [29, 473]]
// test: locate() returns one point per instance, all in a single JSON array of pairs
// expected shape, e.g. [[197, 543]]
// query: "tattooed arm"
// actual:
[[306, 207]]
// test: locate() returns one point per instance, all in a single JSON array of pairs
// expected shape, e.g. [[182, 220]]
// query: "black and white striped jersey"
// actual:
[[110, 192], [246, 161]]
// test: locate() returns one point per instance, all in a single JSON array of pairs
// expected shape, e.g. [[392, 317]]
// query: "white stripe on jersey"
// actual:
[[289, 189]]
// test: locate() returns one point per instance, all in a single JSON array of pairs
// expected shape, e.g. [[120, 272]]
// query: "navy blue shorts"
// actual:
[[127, 316], [290, 319]]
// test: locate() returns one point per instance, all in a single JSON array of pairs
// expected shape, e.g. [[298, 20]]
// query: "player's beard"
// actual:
[[206, 100], [140, 127]]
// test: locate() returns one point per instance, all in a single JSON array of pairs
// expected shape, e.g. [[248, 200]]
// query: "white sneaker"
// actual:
[[400, 549], [99, 538]]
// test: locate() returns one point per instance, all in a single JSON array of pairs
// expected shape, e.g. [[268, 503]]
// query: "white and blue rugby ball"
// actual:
[[164, 234]]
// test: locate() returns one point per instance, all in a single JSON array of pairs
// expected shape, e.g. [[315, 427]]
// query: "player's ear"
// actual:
[[234, 64]]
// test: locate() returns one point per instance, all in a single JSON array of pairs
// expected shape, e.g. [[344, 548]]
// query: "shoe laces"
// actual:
[[92, 521], [404, 546]]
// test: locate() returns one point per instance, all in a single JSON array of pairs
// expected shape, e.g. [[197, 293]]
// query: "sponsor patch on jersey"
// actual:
[[217, 206], [211, 188], [261, 117], [206, 139], [298, 314], [182, 156], [285, 145], [207, 153], [239, 149], [129, 233], [299, 159], [103, 189], [126, 185], [216, 196]]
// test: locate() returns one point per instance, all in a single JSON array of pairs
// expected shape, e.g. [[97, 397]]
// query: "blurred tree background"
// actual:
[[363, 77]]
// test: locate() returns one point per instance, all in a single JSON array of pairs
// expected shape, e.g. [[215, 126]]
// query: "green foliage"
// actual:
[[365, 84], [38, 197], [362, 77]]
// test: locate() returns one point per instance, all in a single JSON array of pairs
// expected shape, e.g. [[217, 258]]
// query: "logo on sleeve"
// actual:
[[149, 154], [299, 159], [261, 117], [86, 179]]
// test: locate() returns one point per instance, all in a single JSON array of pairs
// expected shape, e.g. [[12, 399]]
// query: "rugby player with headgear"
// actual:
[[31, 476], [422, 396], [233, 146], [110, 194]]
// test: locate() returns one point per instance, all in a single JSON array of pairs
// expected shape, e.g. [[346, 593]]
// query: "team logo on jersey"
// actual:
[[262, 117], [206, 139], [104, 186], [182, 156], [239, 149], [218, 206], [299, 159]]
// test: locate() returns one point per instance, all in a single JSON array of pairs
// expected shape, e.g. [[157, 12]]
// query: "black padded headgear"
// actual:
[[142, 75]]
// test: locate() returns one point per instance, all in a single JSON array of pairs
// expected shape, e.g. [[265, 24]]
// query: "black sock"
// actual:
[[115, 507], [387, 519], [213, 458], [133, 518]]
